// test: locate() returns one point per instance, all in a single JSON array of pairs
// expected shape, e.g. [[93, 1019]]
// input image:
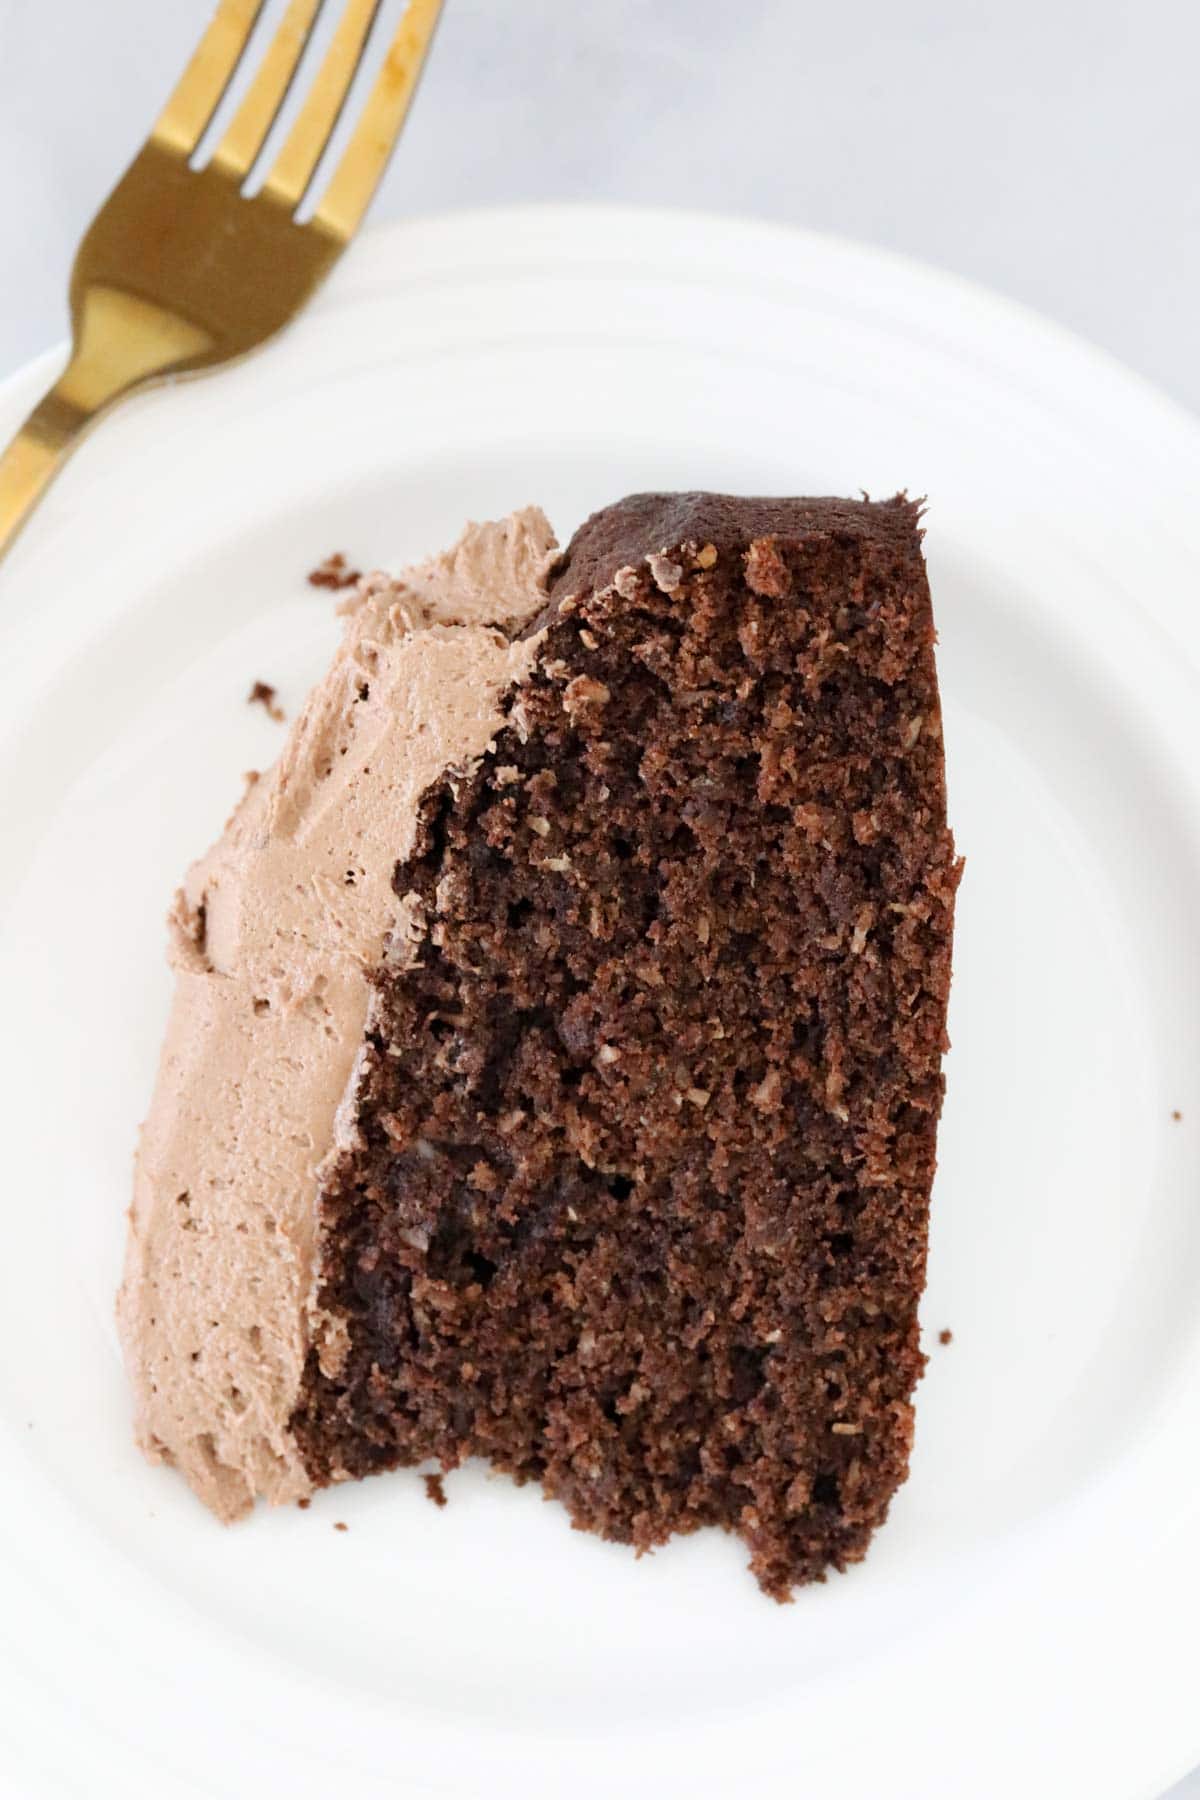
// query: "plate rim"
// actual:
[[507, 220]]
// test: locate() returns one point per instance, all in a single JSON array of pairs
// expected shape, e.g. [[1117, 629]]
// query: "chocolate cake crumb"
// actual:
[[335, 572], [263, 694], [304, 1503], [340, 1525], [945, 1335], [637, 1205], [1176, 1114], [435, 1489]]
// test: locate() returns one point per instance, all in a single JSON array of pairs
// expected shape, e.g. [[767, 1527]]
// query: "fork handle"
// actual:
[[36, 454]]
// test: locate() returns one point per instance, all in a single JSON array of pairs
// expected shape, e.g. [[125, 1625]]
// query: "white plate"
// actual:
[[1026, 1621]]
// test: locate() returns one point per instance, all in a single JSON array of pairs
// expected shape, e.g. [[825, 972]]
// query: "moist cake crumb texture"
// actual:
[[632, 1198]]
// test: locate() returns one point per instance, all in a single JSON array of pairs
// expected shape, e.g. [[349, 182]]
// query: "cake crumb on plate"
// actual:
[[435, 1489], [264, 695], [335, 572]]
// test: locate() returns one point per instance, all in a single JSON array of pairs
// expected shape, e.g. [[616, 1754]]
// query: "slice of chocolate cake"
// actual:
[[628, 1187]]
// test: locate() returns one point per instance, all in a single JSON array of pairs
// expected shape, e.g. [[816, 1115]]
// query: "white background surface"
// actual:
[[1042, 147]]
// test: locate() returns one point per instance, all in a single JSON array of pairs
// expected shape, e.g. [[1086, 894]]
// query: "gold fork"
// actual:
[[180, 272]]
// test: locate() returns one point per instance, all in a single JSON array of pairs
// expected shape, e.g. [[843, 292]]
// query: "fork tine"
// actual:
[[181, 123], [248, 129], [366, 156], [296, 162]]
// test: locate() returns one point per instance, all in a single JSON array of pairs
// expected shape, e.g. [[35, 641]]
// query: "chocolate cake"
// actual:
[[627, 1185]]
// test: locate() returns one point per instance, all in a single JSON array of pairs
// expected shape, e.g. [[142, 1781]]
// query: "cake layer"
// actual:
[[274, 937], [634, 1193]]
